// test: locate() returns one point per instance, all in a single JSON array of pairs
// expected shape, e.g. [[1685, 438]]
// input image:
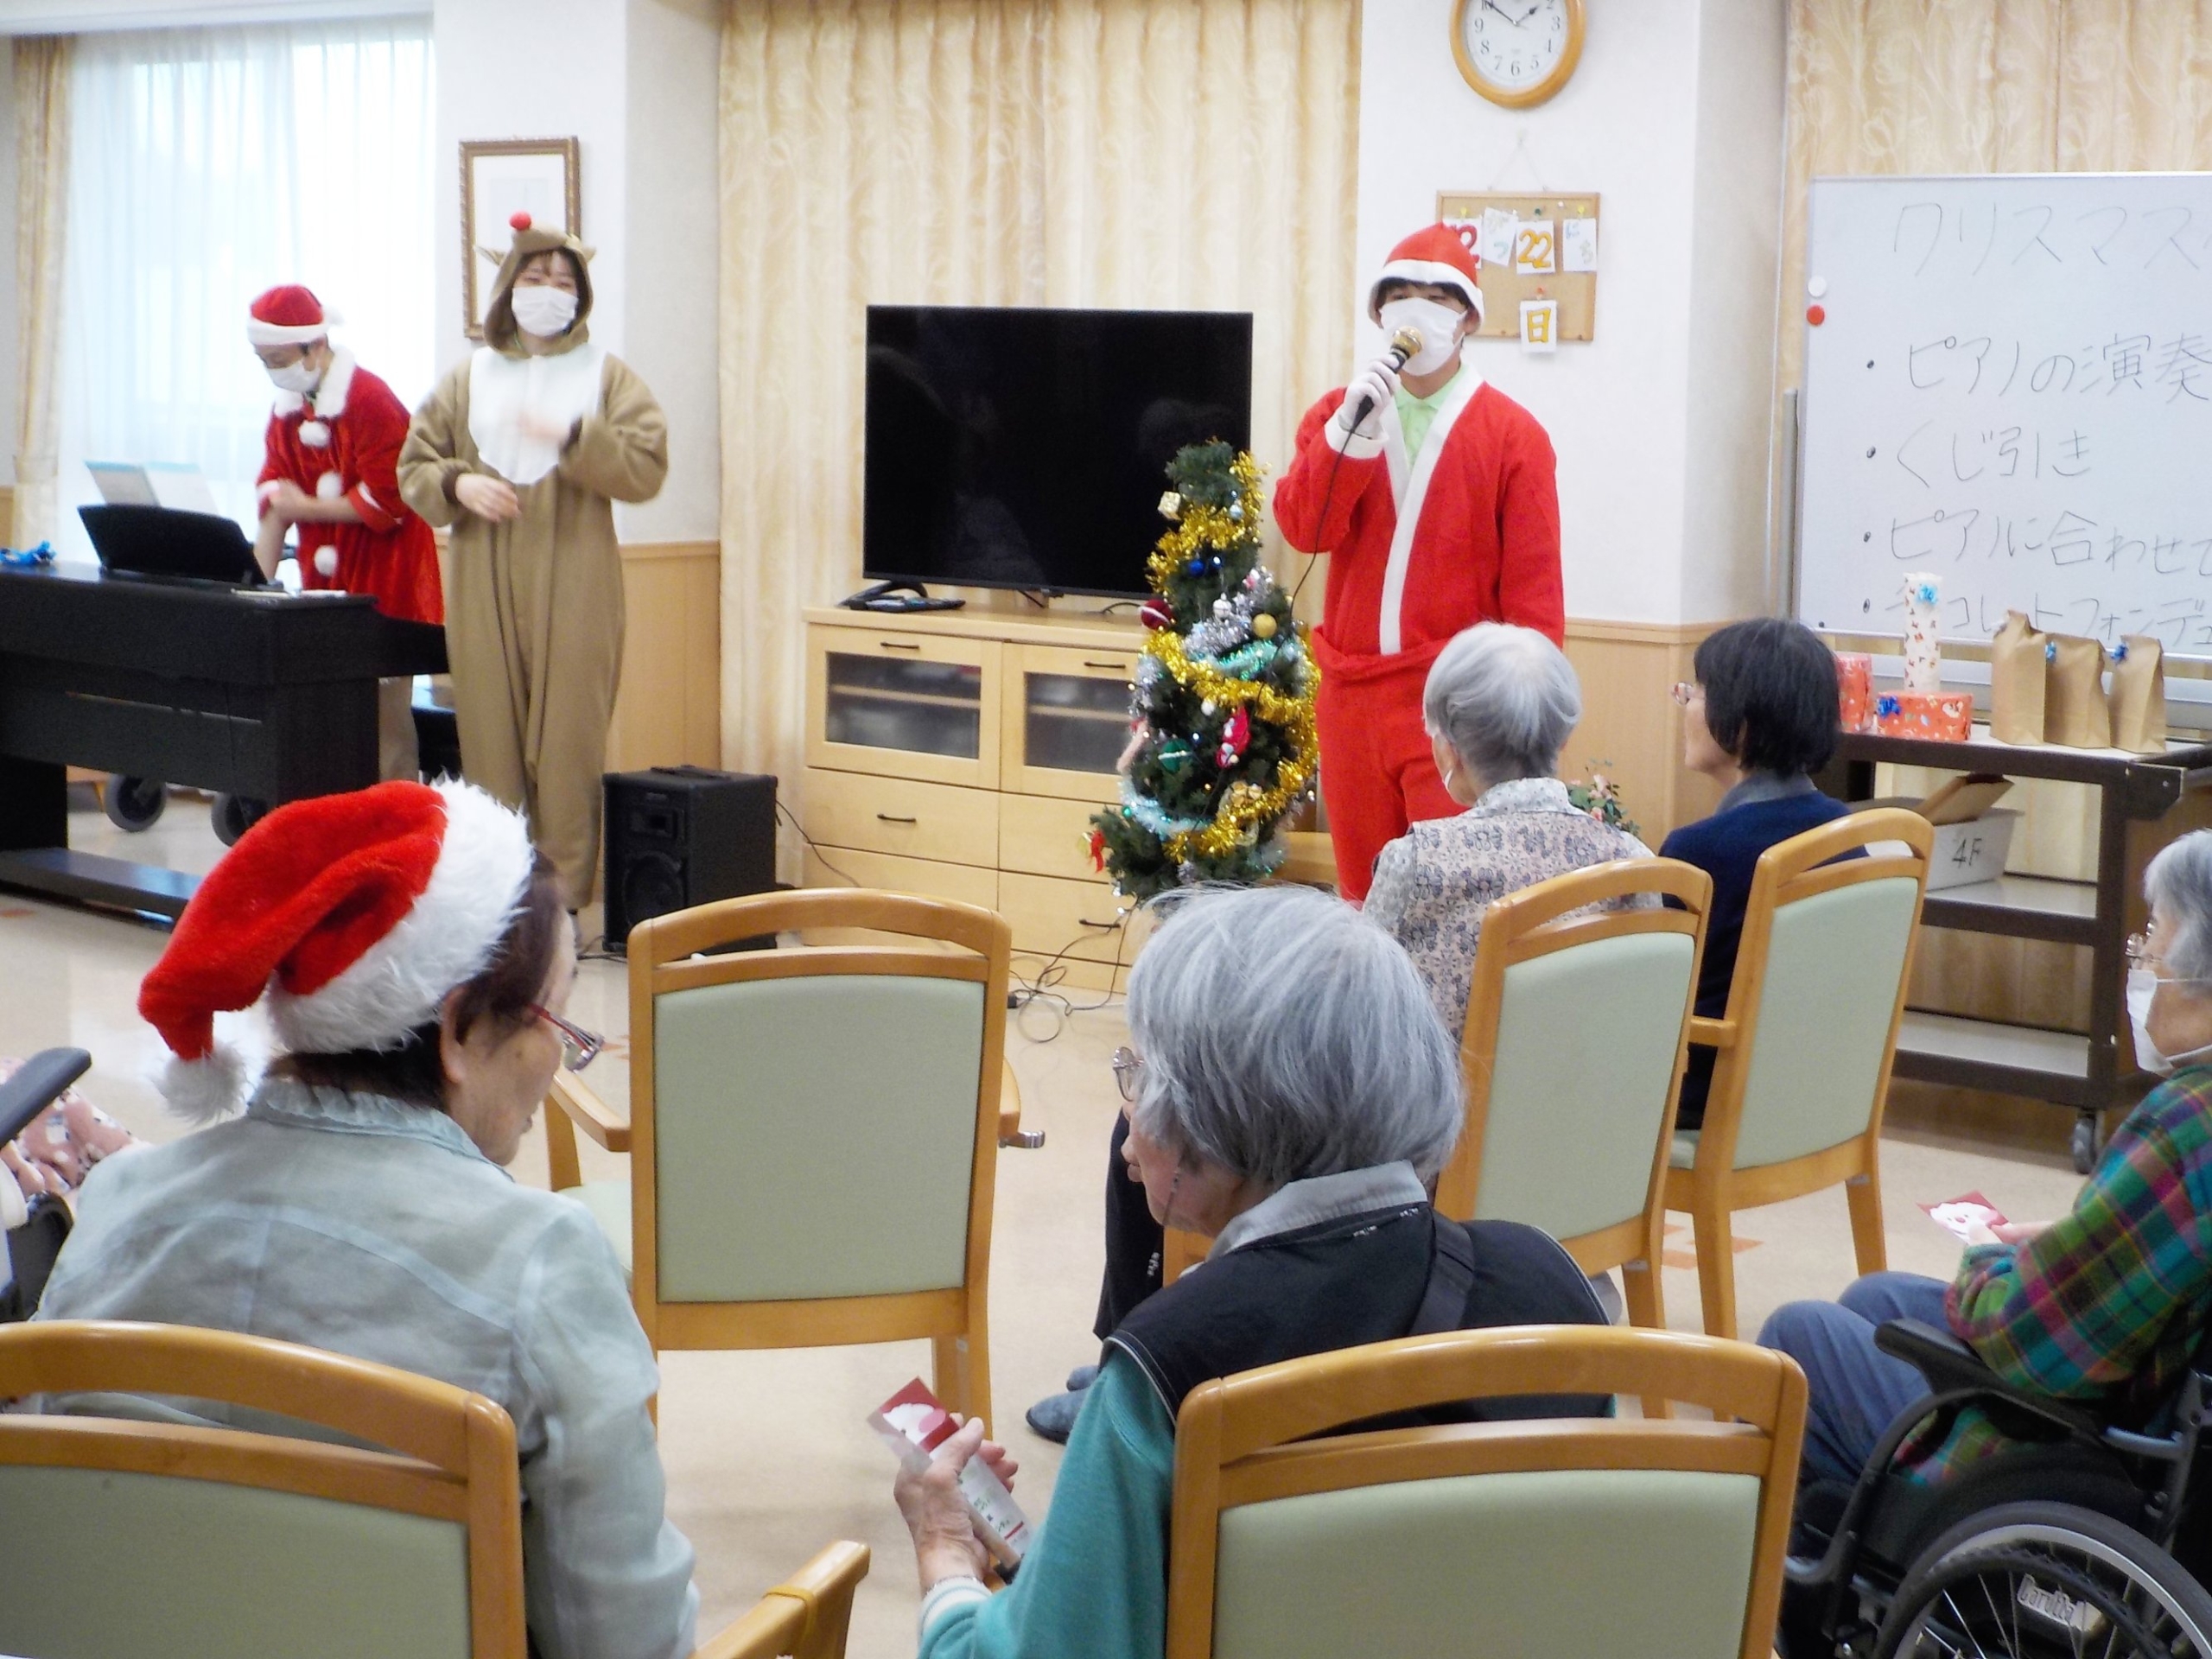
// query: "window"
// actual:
[[207, 165]]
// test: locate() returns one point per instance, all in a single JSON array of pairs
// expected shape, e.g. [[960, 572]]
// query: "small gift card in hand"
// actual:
[[1958, 1216], [913, 1424]]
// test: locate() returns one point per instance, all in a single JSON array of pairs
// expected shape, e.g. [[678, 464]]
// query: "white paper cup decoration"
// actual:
[[1924, 662]]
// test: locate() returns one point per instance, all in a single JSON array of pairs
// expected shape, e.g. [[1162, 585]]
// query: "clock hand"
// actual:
[[1492, 5]]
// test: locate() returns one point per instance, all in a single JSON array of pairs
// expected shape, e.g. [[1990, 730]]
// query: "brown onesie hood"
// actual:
[[500, 330]]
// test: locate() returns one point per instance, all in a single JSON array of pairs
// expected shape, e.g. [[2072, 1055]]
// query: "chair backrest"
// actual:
[[1820, 988], [1578, 1025], [142, 1537], [814, 1123], [1561, 1535]]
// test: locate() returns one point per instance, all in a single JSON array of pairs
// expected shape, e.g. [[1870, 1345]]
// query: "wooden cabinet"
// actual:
[[962, 754]]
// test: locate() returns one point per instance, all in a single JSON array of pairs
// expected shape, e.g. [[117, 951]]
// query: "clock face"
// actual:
[[1516, 44]]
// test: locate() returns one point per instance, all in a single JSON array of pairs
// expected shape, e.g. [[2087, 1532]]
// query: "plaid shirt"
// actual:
[[2107, 1305]]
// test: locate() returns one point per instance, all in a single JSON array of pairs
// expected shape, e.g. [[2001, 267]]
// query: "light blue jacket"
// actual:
[[370, 1228]]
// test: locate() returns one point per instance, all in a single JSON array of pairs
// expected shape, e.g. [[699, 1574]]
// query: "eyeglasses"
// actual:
[[1687, 692], [579, 1047], [1127, 1065], [2138, 950]]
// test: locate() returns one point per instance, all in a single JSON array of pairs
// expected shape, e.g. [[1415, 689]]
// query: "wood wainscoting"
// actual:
[[668, 712], [1632, 728]]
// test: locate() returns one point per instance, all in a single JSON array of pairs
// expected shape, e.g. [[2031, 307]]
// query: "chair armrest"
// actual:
[[588, 1112], [38, 1083], [1711, 1034], [1011, 1133], [806, 1615], [1951, 1366]]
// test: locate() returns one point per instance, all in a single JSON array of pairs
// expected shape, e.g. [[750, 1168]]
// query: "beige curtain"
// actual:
[[1985, 87], [1193, 153], [42, 222]]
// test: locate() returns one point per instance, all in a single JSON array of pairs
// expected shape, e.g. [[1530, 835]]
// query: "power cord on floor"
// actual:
[[1037, 990], [814, 847]]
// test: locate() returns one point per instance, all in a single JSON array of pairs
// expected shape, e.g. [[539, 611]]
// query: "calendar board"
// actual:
[[1504, 285]]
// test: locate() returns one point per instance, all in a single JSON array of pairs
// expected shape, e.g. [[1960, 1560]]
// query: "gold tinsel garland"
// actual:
[[1244, 806]]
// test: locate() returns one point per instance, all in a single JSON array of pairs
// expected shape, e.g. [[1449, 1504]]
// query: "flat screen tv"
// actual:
[[1010, 447]]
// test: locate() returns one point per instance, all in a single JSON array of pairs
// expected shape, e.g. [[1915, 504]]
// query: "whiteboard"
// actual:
[[2011, 388]]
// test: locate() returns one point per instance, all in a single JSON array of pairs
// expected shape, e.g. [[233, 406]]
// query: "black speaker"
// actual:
[[683, 835]]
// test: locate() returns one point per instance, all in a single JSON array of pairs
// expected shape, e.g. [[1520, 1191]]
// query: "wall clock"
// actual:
[[1517, 52]]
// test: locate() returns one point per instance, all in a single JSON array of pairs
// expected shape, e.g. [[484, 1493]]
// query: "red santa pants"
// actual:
[[1377, 772]]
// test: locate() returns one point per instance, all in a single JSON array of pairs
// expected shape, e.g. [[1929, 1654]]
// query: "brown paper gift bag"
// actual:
[[2016, 675], [2138, 701], [2074, 711]]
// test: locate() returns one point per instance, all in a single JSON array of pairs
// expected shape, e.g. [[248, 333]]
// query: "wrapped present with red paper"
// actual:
[[1854, 686], [1943, 716]]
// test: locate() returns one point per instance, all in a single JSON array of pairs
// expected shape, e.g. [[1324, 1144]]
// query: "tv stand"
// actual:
[[899, 597]]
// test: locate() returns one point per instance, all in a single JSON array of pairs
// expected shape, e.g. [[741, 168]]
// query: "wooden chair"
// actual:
[[803, 1618], [813, 1131], [1804, 1049], [1565, 1535], [142, 1537], [1577, 1029]]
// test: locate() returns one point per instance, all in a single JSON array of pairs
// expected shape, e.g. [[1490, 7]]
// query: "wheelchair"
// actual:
[[2083, 1537], [28, 1252]]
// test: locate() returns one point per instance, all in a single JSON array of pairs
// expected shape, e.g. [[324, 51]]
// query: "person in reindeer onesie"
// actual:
[[331, 451], [1433, 493], [523, 448]]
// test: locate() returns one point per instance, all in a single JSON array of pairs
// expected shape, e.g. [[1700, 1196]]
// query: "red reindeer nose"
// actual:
[[519, 221]]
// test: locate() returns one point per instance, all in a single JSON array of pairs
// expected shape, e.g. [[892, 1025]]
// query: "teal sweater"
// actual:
[[1095, 1584]]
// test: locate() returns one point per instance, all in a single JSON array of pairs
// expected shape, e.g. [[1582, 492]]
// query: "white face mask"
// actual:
[[543, 311], [300, 377], [2142, 986], [1439, 325]]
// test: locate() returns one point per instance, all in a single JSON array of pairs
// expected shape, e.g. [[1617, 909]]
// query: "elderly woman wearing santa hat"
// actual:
[[416, 962], [332, 469], [523, 450]]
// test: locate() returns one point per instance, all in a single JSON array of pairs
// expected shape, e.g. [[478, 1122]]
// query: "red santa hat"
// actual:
[[1445, 254], [289, 315], [356, 913]]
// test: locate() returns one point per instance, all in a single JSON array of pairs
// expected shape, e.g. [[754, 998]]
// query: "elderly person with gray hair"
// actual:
[[2106, 1304], [1499, 703], [1294, 1116]]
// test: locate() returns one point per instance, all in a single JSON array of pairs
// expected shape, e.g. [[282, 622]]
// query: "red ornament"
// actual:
[[518, 221], [1235, 735], [1098, 850], [1816, 315], [1156, 613]]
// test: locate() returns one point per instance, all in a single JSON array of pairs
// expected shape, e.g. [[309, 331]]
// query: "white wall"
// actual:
[[635, 83], [1674, 119]]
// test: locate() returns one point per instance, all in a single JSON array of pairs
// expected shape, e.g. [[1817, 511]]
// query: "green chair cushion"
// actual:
[[609, 1204], [102, 1563], [1655, 1563]]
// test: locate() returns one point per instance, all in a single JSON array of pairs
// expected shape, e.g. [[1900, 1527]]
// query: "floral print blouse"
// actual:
[[1432, 884]]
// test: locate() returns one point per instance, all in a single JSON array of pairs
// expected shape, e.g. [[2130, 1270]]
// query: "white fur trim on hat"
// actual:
[[202, 1090], [446, 939], [1435, 272], [259, 332]]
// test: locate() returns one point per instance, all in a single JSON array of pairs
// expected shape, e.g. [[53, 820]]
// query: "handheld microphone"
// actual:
[[1405, 345]]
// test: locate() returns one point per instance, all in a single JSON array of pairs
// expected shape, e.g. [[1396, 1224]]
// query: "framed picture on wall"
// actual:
[[499, 178]]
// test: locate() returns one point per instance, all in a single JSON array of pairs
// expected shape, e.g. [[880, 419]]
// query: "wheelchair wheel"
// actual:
[[134, 803], [233, 815], [2039, 1580]]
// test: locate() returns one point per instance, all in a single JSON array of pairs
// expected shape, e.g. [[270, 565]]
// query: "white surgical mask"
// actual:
[[299, 377], [1438, 323], [543, 311], [2142, 986]]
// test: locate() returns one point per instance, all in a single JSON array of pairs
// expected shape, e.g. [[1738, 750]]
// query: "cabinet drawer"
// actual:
[[1041, 834], [926, 876], [902, 817], [1049, 915]]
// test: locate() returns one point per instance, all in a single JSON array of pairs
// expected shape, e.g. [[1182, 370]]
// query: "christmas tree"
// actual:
[[1222, 705]]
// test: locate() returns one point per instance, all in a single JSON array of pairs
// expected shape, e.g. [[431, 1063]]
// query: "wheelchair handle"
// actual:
[[38, 1083]]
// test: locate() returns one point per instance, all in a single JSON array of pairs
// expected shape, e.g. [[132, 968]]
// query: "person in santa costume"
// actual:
[[331, 470], [1433, 493], [523, 450], [414, 959]]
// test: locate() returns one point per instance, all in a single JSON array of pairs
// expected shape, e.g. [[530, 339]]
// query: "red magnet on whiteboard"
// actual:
[[1816, 315]]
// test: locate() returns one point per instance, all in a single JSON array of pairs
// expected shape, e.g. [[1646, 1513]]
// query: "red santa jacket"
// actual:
[[1467, 531], [348, 444]]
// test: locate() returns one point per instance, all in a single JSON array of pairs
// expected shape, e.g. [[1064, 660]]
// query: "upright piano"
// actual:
[[252, 692]]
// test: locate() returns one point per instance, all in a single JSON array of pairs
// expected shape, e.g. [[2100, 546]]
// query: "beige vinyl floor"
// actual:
[[767, 1454]]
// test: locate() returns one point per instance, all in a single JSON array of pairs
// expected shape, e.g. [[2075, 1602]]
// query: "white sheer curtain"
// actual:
[[207, 165]]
